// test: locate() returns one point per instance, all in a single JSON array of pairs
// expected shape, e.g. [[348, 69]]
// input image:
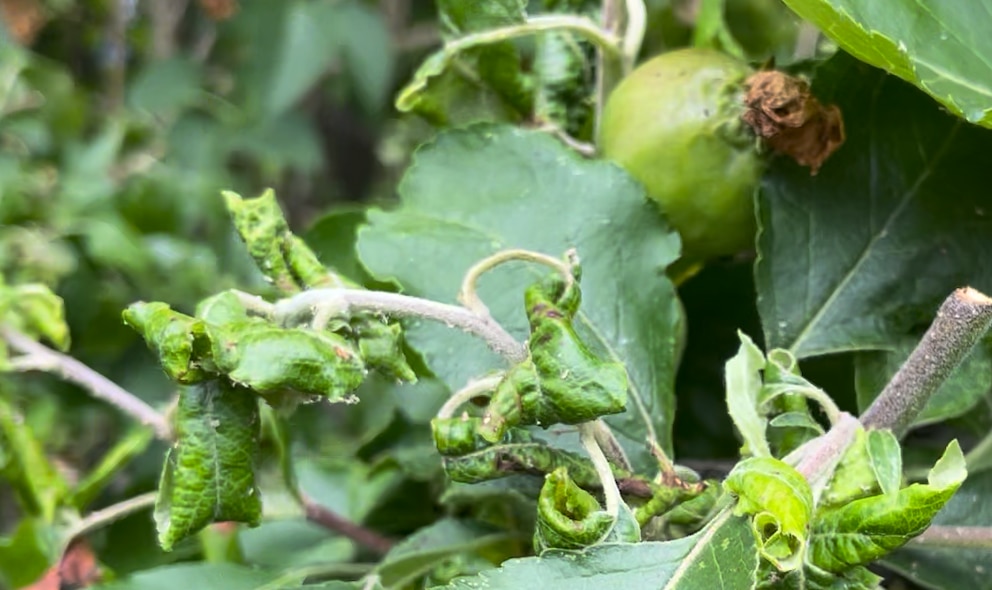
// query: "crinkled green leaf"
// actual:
[[743, 373], [262, 227], [938, 46], [39, 486], [37, 312], [863, 253], [886, 460], [272, 360], [169, 334], [722, 555], [209, 474], [862, 531], [569, 517], [459, 205], [780, 503], [562, 382], [960, 392]]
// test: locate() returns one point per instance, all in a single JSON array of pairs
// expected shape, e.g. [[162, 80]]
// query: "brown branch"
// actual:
[[963, 537], [40, 357], [961, 321], [332, 521]]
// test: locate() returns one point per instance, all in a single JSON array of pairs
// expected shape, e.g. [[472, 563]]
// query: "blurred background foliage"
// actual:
[[121, 121]]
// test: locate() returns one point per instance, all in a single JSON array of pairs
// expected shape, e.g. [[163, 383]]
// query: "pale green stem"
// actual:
[[468, 296], [633, 36], [610, 445], [581, 26], [961, 321], [611, 493], [818, 459], [472, 390]]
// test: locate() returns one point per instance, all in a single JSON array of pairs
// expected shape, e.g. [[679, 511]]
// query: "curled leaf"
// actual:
[[36, 311], [780, 503], [170, 335], [274, 361], [262, 227], [569, 517], [209, 474]]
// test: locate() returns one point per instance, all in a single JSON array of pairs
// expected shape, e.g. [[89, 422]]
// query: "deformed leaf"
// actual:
[[271, 360], [569, 517], [722, 555], [170, 335], [35, 310], [460, 204], [862, 531], [780, 503], [209, 474], [262, 227]]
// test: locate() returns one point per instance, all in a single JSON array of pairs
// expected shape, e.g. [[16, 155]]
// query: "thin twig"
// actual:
[[105, 516], [39, 355], [960, 537], [472, 390], [332, 521], [961, 321], [404, 306], [818, 459], [468, 296]]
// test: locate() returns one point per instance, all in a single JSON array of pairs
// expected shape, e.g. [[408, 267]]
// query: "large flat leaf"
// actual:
[[950, 568], [942, 47], [474, 192], [722, 555], [864, 252]]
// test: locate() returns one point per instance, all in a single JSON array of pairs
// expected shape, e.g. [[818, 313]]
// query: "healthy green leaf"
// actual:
[[27, 552], [722, 555], [209, 474], [861, 254], [937, 46], [862, 531], [130, 445], [366, 48], [306, 47], [965, 387], [886, 460], [780, 502], [744, 382], [476, 191]]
